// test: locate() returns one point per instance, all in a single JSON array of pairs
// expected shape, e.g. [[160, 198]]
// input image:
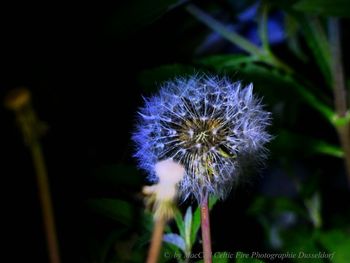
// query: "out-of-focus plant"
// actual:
[[19, 101]]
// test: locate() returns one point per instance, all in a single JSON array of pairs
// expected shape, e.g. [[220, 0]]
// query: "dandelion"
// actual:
[[211, 127]]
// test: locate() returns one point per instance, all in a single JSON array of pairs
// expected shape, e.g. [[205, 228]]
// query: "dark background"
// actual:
[[82, 76]]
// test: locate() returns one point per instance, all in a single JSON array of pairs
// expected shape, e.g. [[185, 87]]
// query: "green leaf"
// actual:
[[221, 29], [196, 224], [324, 7], [292, 28], [336, 241], [180, 222], [317, 41], [262, 25], [188, 227], [313, 205], [326, 148]]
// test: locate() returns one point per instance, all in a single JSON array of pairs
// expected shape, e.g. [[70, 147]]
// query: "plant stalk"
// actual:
[[205, 226], [339, 89], [46, 203], [157, 239], [19, 100]]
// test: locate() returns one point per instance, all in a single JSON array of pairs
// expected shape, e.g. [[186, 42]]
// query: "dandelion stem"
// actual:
[[18, 100], [46, 204], [205, 225], [339, 89], [157, 238]]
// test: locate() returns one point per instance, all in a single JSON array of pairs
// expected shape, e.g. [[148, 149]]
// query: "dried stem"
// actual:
[[205, 226], [339, 89], [18, 100], [156, 242], [46, 204]]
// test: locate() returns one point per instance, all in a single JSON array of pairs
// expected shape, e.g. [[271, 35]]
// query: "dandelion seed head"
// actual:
[[206, 124]]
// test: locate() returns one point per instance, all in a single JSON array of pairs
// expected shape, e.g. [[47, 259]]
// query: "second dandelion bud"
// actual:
[[209, 125]]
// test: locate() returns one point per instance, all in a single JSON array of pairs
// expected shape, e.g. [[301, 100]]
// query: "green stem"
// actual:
[[262, 27], [339, 89]]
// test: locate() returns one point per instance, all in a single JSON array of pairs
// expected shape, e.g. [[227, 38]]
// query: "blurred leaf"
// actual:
[[265, 74], [115, 209], [188, 227], [134, 14], [289, 142], [313, 206], [326, 148], [197, 219], [262, 26], [325, 7], [292, 28], [220, 28], [338, 242], [149, 79], [318, 43], [180, 222], [176, 240]]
